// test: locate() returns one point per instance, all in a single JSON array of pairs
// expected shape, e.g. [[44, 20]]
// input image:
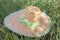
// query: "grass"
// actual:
[[51, 7]]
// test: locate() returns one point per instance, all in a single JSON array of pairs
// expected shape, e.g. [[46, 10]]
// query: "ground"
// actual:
[[50, 7]]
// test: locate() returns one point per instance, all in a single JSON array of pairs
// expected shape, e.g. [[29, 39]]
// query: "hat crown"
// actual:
[[33, 9], [31, 13]]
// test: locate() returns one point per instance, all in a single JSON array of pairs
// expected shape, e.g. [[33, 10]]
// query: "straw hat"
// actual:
[[31, 22]]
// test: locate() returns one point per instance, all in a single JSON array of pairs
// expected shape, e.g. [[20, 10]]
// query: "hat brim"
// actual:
[[12, 23]]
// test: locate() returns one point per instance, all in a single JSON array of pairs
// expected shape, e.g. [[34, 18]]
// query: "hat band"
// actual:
[[26, 23]]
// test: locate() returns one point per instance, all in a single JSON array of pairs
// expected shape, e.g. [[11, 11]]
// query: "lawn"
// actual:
[[50, 7]]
